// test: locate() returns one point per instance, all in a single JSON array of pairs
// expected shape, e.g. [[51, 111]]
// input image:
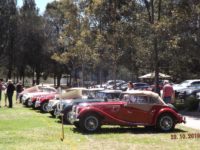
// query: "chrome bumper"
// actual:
[[24, 100], [73, 117], [57, 113], [37, 104], [30, 103]]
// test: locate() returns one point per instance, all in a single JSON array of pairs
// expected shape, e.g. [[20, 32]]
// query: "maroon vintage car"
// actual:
[[135, 108], [42, 102]]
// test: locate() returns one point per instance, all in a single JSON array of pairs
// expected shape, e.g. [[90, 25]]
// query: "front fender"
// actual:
[[44, 100], [165, 110]]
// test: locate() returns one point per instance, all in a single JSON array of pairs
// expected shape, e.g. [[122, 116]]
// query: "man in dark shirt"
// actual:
[[19, 89], [10, 91]]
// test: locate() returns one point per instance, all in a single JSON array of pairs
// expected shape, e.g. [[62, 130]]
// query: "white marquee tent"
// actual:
[[152, 75]]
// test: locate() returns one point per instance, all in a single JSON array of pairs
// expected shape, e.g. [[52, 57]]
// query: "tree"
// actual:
[[32, 39], [8, 17]]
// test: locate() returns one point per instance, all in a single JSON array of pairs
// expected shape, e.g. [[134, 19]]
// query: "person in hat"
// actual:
[[168, 92], [10, 91], [19, 89]]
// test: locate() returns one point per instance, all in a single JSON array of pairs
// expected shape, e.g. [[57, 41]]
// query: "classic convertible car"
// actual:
[[135, 108], [42, 91], [100, 96], [85, 94], [71, 93]]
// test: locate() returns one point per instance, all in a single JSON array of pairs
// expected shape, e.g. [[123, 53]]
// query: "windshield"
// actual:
[[138, 99], [107, 95], [91, 94]]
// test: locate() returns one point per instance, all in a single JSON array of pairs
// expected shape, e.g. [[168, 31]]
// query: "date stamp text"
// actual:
[[183, 136]]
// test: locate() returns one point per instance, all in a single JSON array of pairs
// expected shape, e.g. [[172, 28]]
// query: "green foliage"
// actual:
[[180, 106], [191, 104], [98, 35]]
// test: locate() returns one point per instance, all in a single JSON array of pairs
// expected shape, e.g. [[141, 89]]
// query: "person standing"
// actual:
[[168, 92], [19, 89], [5, 94], [10, 91], [130, 86]]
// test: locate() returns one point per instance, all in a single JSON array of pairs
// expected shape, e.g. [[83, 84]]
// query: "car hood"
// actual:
[[97, 104], [35, 94], [49, 96]]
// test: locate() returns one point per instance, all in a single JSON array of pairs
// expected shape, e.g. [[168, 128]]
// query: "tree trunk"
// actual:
[[54, 79], [151, 14], [58, 79], [70, 80], [23, 80], [157, 88], [100, 76], [37, 78], [83, 70]]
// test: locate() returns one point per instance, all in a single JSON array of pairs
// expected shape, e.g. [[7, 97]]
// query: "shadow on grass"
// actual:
[[65, 123], [38, 110], [53, 117], [131, 130]]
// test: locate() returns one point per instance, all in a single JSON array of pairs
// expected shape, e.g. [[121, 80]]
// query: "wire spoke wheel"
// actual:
[[44, 107], [166, 123], [90, 123]]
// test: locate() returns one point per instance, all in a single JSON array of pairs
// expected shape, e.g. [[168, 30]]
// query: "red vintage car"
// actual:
[[42, 102], [135, 108]]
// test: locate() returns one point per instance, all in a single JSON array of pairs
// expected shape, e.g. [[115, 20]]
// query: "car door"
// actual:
[[139, 109]]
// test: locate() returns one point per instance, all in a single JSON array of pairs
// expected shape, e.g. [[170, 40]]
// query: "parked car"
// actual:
[[29, 90], [122, 86], [141, 86], [86, 94], [66, 106], [189, 92], [42, 101], [185, 84], [66, 109], [111, 83], [71, 93], [143, 108], [198, 95], [136, 85], [43, 91], [32, 100]]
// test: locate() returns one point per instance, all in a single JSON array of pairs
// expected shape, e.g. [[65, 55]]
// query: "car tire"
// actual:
[[90, 123], [165, 123], [52, 114], [44, 107], [76, 124], [66, 116], [26, 103], [33, 105]]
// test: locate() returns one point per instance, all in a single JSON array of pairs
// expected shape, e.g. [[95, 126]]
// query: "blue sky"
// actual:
[[41, 4]]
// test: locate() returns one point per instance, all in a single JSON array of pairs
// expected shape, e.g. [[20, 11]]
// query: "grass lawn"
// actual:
[[25, 129]]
